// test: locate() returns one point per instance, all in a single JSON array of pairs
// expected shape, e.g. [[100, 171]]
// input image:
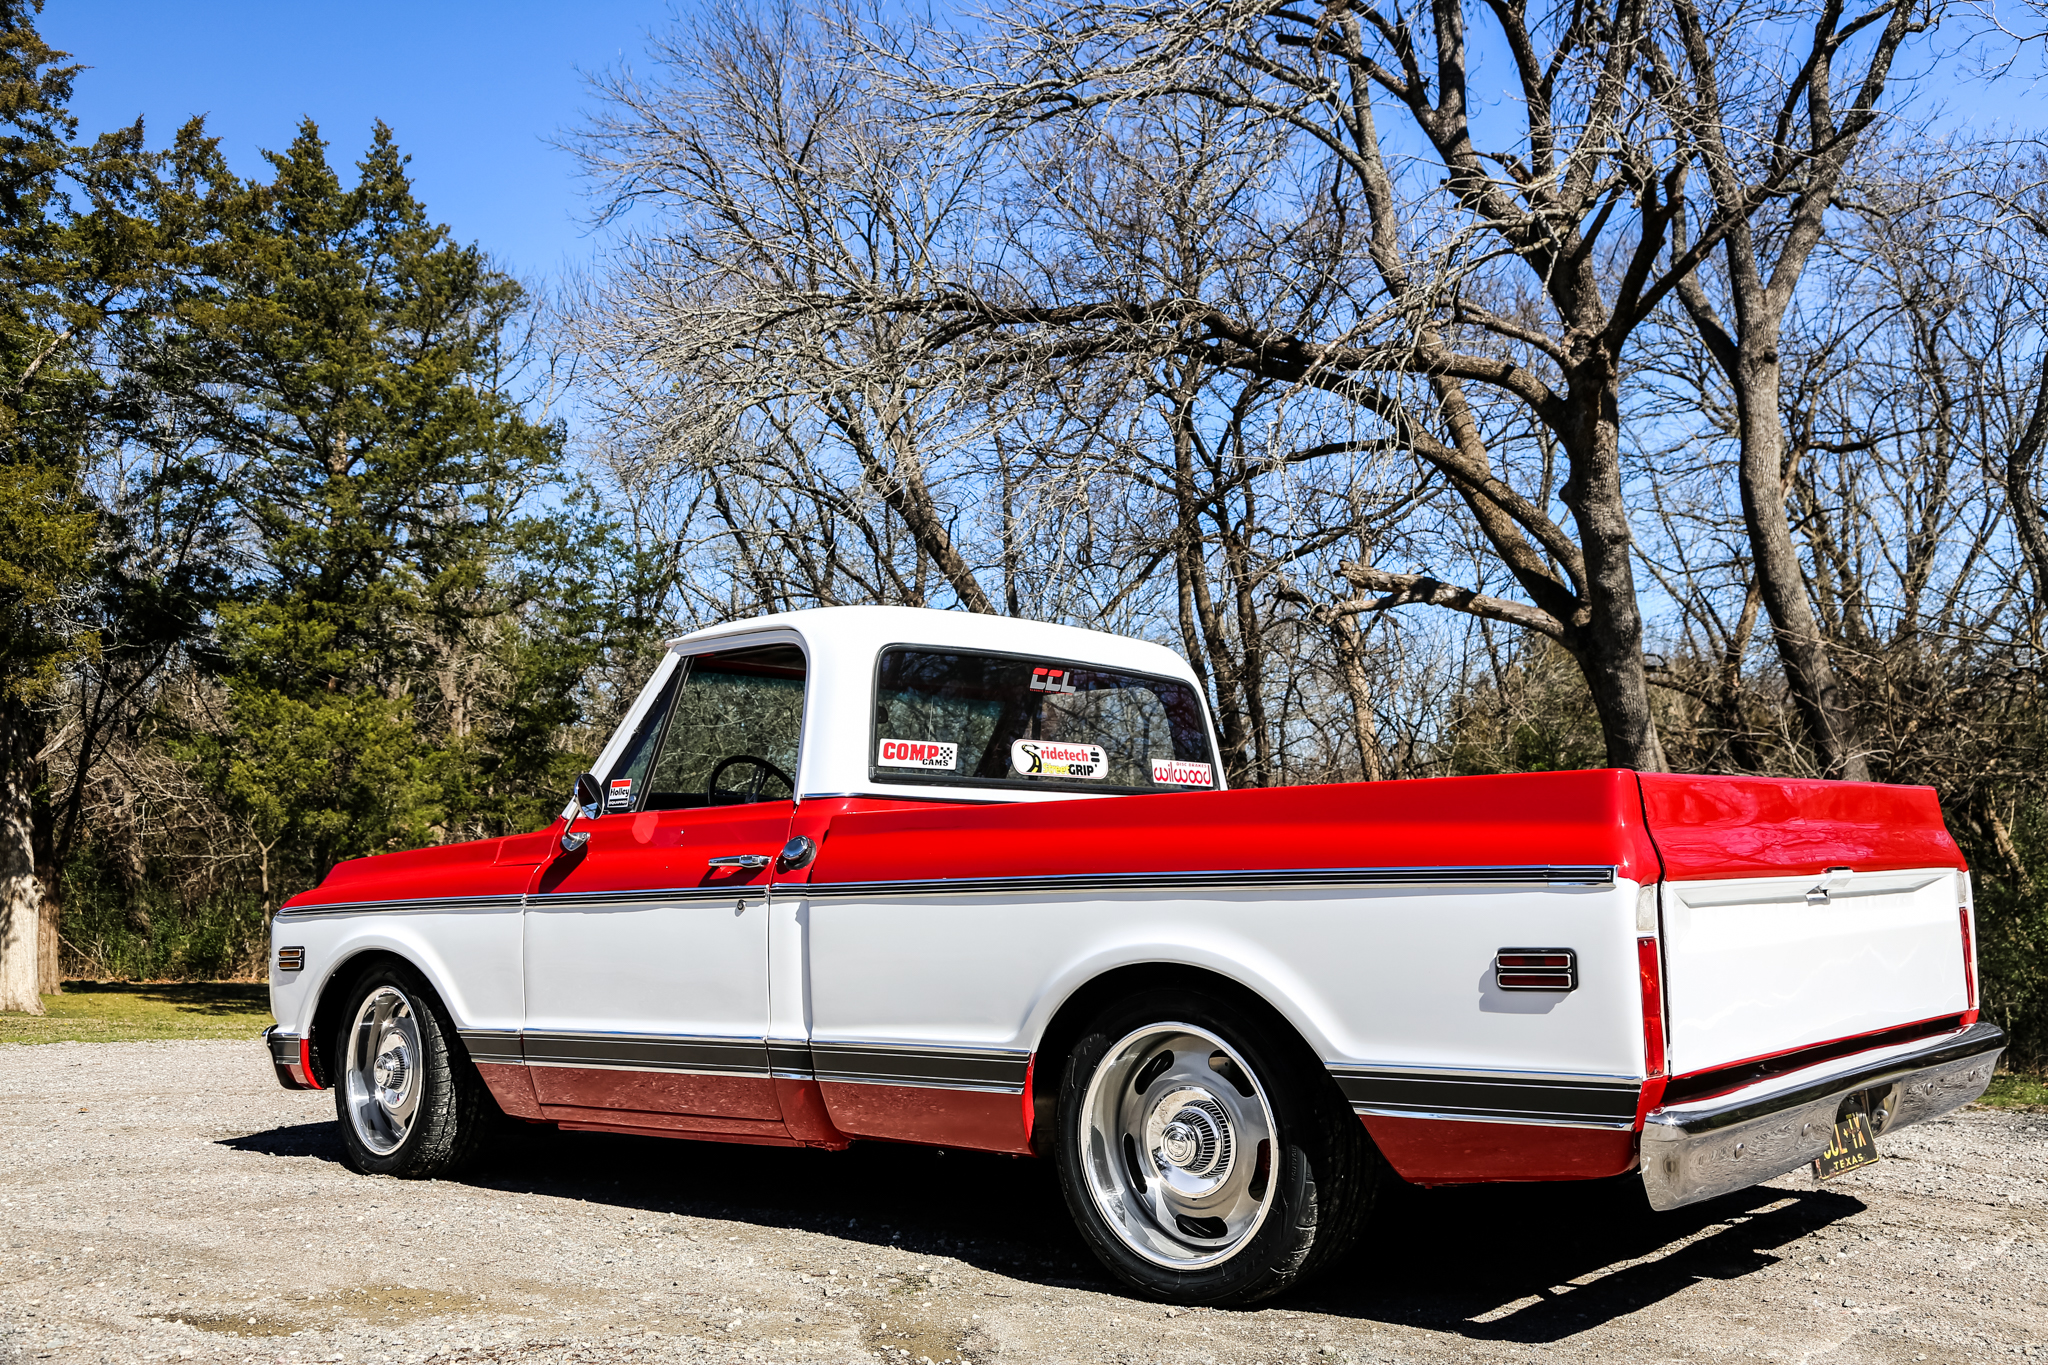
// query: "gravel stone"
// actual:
[[168, 1202]]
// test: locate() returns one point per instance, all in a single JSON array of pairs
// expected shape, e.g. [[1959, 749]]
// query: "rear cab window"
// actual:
[[964, 718]]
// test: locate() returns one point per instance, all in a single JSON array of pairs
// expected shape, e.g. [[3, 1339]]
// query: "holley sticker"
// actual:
[[1042, 758], [1173, 772], [621, 793], [917, 753]]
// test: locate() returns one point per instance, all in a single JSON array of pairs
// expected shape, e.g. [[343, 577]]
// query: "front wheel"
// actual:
[[410, 1101], [1204, 1155]]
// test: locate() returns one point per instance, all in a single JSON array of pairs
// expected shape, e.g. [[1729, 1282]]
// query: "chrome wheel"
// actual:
[[1179, 1146], [381, 1070]]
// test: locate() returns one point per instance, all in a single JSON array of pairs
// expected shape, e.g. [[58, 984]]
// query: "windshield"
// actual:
[[1012, 720]]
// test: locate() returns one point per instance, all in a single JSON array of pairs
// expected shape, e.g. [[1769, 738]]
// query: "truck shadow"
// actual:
[[1503, 1263], [1533, 1264]]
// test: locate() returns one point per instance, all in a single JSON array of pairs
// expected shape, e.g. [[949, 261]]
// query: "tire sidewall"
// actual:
[[436, 1072], [1274, 1255]]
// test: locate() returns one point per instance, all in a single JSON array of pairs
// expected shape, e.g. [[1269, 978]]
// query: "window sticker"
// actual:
[[1052, 680], [1176, 773], [1043, 758], [918, 753], [621, 794]]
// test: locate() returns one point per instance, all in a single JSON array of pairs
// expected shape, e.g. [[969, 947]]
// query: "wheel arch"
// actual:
[[332, 1000], [1094, 995]]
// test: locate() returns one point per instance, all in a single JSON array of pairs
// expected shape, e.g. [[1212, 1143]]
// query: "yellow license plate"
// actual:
[[1853, 1146]]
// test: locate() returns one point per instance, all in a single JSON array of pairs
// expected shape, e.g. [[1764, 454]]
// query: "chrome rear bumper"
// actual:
[[1715, 1146]]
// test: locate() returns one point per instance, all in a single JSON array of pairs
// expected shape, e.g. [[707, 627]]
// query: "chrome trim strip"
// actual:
[[988, 1069], [497, 1046], [421, 904], [1605, 1125], [1706, 1148], [665, 895], [1253, 879], [1232, 880], [647, 1052], [1566, 1101]]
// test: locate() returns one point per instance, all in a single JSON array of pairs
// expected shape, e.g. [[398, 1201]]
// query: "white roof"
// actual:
[[840, 645]]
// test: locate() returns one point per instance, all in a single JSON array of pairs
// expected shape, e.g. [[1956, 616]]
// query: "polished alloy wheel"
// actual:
[[1180, 1147], [381, 1074]]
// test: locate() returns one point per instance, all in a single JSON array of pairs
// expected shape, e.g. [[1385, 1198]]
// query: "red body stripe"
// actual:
[[1455, 1152]]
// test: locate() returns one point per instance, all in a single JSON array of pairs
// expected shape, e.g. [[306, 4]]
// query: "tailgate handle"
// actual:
[[1821, 894]]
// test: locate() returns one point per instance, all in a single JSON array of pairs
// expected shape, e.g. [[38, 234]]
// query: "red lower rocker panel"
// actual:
[[511, 1087], [656, 1092], [982, 1120], [1456, 1152]]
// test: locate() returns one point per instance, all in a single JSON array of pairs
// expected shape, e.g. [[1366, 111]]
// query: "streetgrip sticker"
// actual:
[[621, 794], [1173, 772], [918, 753], [1042, 758]]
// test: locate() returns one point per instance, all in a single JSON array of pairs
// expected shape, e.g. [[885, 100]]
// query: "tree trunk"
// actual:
[[1780, 578], [21, 895], [1608, 641], [1350, 642]]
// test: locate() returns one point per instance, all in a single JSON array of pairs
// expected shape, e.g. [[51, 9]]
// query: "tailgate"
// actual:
[[1801, 913]]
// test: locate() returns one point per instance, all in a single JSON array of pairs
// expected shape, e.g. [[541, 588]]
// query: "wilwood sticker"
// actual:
[[1042, 758], [1173, 772], [917, 753]]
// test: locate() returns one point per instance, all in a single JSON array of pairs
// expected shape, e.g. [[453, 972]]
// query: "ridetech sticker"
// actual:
[[621, 793], [917, 753], [1173, 772], [1042, 758]]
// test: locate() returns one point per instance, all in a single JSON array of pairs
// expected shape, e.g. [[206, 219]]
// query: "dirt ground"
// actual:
[[167, 1201]]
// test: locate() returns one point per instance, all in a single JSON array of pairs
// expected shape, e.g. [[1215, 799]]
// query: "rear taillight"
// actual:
[[1653, 1005], [1969, 961]]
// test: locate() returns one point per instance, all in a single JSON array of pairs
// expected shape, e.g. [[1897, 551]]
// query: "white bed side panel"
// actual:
[[1398, 976], [1752, 967]]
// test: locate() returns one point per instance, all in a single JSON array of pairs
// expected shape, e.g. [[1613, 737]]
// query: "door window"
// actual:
[[727, 731]]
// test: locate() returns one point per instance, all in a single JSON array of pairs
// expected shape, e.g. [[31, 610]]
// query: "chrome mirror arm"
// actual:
[[583, 801]]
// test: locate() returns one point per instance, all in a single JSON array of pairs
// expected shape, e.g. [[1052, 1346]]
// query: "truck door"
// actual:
[[647, 951]]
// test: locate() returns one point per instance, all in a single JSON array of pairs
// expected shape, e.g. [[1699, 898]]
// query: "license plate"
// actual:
[[1853, 1146]]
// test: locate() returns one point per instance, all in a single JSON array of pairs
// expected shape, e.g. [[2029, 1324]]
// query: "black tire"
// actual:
[[405, 1037], [1295, 1178]]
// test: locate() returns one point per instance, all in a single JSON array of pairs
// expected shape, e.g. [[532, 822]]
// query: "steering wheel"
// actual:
[[762, 768]]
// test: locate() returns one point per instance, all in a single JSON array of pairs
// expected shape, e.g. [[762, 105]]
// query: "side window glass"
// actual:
[[627, 780], [734, 731]]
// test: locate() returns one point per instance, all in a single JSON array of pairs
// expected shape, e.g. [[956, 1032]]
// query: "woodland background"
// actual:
[[1461, 388]]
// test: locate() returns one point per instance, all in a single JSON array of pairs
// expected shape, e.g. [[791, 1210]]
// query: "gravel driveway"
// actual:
[[169, 1201]]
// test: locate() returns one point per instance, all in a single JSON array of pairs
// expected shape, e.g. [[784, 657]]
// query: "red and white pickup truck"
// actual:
[[975, 882]]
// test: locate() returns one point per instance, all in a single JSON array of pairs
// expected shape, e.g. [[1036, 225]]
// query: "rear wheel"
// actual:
[[409, 1099], [1204, 1154]]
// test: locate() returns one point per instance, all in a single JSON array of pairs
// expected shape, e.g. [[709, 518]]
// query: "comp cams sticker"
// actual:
[[1173, 772], [1043, 758], [917, 753]]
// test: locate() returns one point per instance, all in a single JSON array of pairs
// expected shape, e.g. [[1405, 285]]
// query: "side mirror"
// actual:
[[588, 797]]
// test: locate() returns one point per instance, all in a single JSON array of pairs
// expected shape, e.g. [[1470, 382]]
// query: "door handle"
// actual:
[[756, 861]]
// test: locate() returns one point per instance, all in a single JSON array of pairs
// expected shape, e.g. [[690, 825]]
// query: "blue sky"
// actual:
[[471, 90]]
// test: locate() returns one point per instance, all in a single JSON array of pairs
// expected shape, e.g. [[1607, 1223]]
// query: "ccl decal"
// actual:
[[621, 794], [1042, 758], [1053, 680], [917, 753], [1173, 772]]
